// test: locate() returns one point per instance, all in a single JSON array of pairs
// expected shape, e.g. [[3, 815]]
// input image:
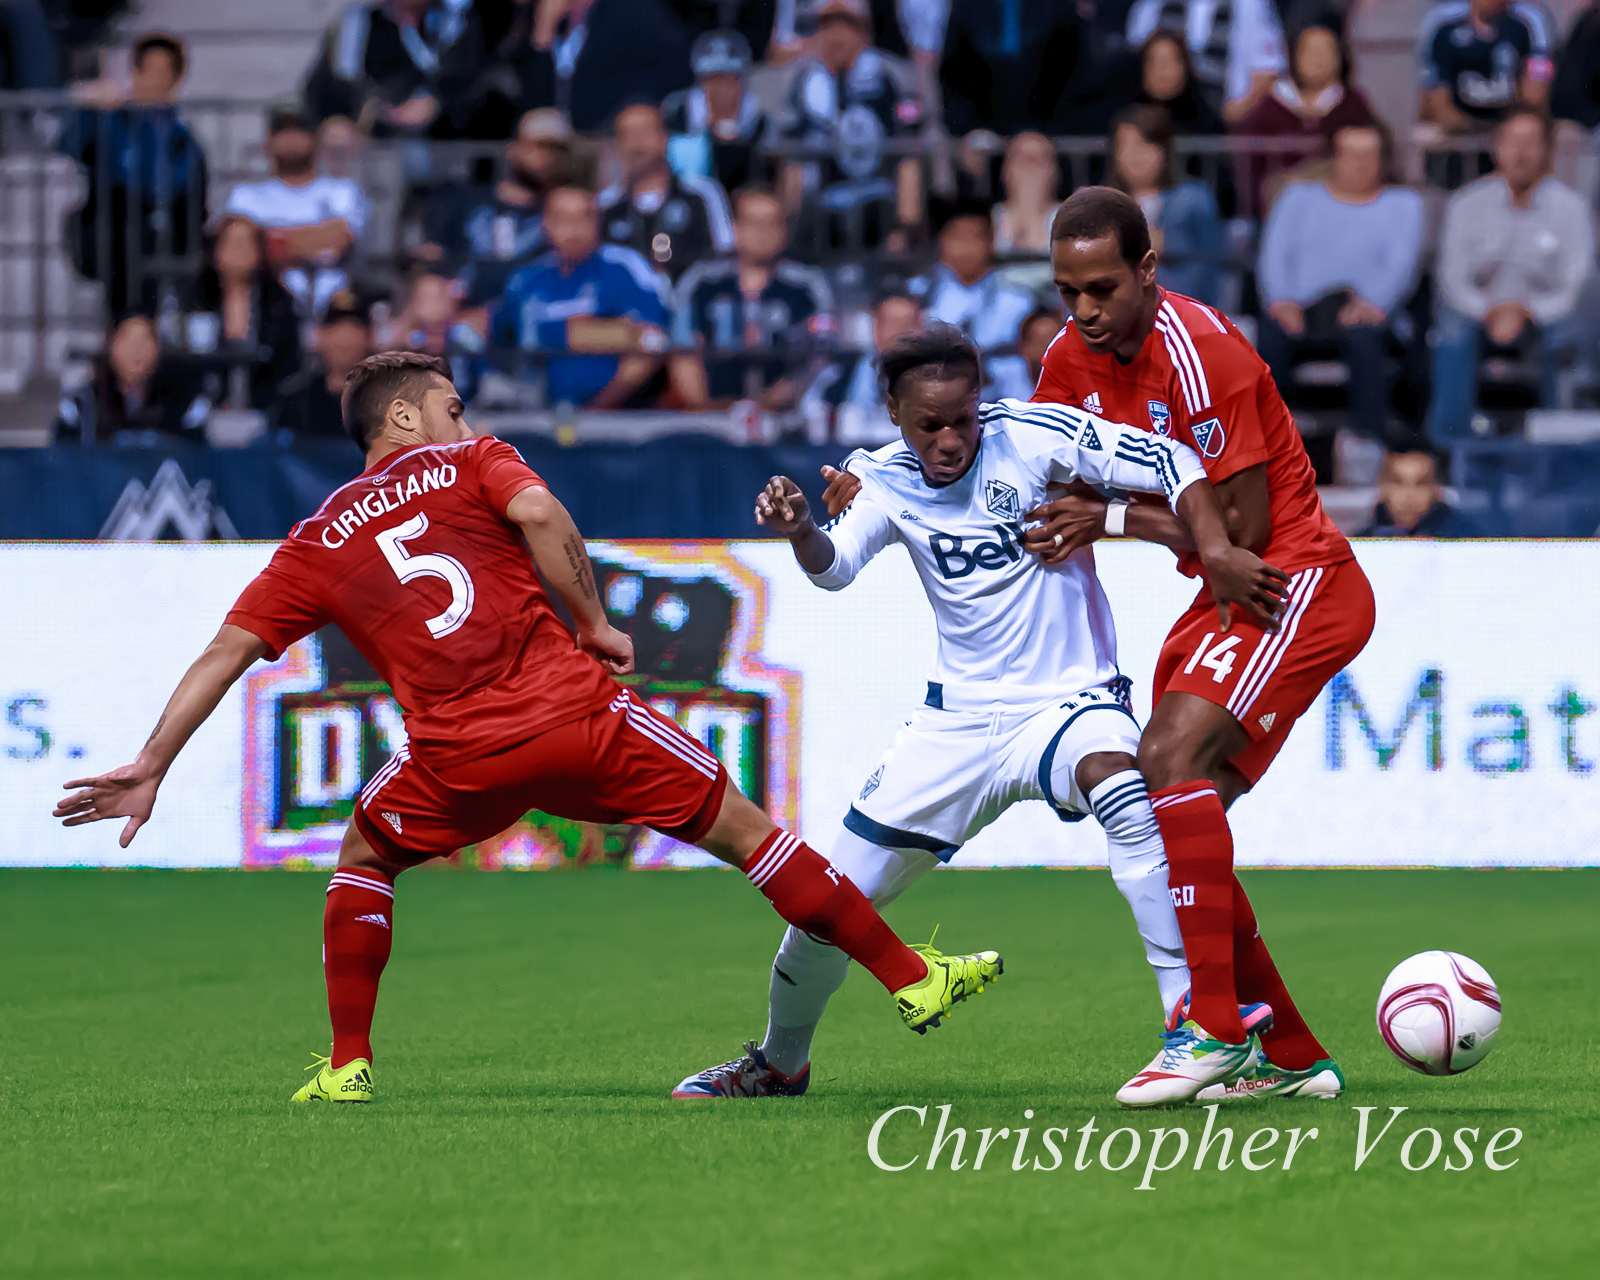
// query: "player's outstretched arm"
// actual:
[[130, 792], [782, 508], [563, 562]]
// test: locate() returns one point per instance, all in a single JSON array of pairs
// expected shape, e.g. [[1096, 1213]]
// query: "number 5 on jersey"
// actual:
[[1219, 660], [408, 566]]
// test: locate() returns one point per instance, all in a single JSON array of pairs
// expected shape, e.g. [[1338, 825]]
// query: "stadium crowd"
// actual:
[[706, 205]]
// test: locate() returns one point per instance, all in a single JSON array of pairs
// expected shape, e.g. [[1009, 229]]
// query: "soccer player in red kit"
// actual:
[[1226, 698], [424, 562]]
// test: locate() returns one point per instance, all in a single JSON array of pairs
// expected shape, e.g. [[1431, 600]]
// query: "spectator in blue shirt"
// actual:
[[1411, 501], [602, 307]]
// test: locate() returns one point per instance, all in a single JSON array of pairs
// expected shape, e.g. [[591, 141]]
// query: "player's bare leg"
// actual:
[[1184, 756], [815, 897], [357, 930]]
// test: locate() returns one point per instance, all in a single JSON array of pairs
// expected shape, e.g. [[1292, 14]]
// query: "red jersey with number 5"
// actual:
[[417, 564], [1198, 380]]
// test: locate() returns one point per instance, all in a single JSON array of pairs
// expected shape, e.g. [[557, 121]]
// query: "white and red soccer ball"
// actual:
[[1438, 1012]]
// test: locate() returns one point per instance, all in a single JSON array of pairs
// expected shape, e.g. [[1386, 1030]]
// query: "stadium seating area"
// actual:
[[626, 219]]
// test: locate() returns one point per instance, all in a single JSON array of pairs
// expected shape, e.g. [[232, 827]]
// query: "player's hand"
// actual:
[[782, 507], [1239, 577], [1076, 516], [128, 792], [841, 491], [610, 648]]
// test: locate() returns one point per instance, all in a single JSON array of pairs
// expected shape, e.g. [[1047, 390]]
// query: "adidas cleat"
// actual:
[[1261, 1079], [1190, 1060], [751, 1076], [950, 980], [349, 1083]]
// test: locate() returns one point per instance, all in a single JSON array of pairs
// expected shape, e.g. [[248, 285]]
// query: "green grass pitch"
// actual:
[[153, 1025]]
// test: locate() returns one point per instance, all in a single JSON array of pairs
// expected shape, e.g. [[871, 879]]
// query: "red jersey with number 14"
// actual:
[[1198, 380], [417, 564]]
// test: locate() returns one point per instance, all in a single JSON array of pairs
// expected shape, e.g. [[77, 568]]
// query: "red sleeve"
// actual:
[[1228, 433], [502, 474], [1054, 387], [282, 604]]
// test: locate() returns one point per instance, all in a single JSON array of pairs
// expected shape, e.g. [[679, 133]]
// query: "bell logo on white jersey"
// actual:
[[1092, 404], [1001, 498]]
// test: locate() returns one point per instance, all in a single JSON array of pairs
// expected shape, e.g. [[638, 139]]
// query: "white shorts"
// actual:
[[950, 774]]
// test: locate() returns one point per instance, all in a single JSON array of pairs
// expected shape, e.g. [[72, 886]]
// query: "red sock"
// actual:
[[1289, 1043], [811, 894], [1194, 828], [356, 932]]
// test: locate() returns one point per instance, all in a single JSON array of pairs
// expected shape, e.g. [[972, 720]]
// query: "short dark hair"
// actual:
[[1537, 114], [380, 380], [752, 191], [1037, 314], [1091, 212], [938, 351], [168, 44]]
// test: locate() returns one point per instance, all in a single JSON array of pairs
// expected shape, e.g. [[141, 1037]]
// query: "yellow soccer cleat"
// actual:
[[950, 980], [349, 1083]]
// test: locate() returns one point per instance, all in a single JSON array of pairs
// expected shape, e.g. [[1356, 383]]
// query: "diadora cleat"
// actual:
[[349, 1083], [751, 1076], [950, 980], [1261, 1079], [1190, 1060]]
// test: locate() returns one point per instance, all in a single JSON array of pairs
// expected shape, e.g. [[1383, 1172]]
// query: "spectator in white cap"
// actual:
[[716, 126]]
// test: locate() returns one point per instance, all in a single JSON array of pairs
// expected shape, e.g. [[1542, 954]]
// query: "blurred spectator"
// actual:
[[1411, 501], [601, 306], [1515, 253], [1480, 58], [431, 321], [480, 237], [849, 394], [382, 62], [596, 56], [1575, 95], [847, 103], [1236, 47], [965, 290], [240, 304], [669, 220], [1338, 261], [308, 404], [311, 221], [134, 389], [146, 204], [754, 301], [889, 24], [1030, 177], [1040, 327], [340, 143], [1313, 102], [1184, 227], [1167, 79], [716, 127], [1007, 64], [30, 58]]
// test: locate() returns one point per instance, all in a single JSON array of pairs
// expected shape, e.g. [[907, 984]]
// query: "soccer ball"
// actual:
[[1438, 1013]]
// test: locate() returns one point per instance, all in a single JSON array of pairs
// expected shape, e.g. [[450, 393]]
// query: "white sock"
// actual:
[[806, 972], [1139, 866]]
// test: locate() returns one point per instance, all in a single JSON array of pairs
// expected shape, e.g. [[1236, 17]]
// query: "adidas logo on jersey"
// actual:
[[393, 819], [373, 919], [1267, 721], [1092, 404]]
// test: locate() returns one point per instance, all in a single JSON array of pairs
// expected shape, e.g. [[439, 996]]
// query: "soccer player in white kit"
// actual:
[[1026, 702]]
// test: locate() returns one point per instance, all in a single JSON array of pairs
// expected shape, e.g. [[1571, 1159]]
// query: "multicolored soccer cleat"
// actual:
[[1191, 1059], [1261, 1079], [950, 980], [751, 1076], [349, 1083]]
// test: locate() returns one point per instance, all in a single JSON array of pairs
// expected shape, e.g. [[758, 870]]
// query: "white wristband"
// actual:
[[1116, 517]]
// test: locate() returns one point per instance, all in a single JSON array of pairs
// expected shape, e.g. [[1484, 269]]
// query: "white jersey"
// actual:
[[1013, 631]]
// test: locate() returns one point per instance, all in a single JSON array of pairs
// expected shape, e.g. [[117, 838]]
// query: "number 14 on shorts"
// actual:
[[1218, 658]]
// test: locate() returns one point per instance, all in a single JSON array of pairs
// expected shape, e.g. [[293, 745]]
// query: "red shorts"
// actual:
[[1268, 681], [625, 763]]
